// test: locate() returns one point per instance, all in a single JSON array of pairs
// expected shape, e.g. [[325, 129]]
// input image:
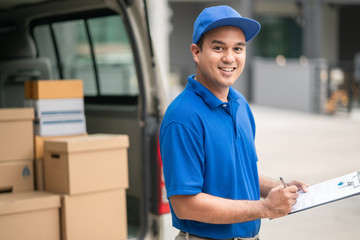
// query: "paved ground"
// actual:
[[312, 148]]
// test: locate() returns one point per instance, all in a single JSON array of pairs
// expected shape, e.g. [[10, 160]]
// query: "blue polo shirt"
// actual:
[[208, 146]]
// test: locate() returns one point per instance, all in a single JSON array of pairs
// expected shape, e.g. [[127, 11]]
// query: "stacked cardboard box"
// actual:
[[91, 173], [24, 213], [17, 149], [85, 176], [59, 112], [59, 106], [39, 159], [29, 215]]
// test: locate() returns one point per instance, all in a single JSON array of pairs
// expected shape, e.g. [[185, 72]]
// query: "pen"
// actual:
[[283, 182]]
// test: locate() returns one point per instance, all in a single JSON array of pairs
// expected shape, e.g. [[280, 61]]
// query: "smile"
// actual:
[[227, 69]]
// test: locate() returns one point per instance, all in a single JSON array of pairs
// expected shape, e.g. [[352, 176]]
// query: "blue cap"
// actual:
[[218, 16]]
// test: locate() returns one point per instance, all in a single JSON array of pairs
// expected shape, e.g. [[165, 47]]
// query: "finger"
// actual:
[[304, 187], [292, 189], [301, 185], [293, 196], [296, 195], [279, 187]]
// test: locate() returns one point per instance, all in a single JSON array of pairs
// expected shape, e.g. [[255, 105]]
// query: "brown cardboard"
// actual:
[[86, 164], [17, 134], [39, 174], [39, 161], [50, 89], [29, 215], [93, 216], [39, 144], [16, 176], [90, 142]]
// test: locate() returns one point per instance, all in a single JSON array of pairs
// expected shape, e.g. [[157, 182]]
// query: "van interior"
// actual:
[[89, 40]]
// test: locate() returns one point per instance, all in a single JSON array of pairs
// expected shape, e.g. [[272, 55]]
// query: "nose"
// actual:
[[228, 56]]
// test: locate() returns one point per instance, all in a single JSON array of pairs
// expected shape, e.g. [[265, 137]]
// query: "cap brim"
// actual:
[[250, 27]]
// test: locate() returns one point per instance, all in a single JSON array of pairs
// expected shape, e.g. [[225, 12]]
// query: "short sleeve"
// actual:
[[183, 160]]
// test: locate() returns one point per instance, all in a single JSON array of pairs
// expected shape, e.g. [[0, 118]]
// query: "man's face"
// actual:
[[221, 59]]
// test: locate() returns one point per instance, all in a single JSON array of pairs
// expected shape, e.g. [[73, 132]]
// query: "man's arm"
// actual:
[[277, 202], [266, 184], [206, 208]]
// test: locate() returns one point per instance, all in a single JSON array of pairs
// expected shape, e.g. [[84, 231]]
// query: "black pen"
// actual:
[[283, 182]]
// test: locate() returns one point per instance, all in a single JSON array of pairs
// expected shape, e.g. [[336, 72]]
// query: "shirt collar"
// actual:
[[207, 95]]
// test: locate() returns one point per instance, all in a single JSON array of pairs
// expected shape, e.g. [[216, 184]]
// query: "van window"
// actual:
[[96, 50]]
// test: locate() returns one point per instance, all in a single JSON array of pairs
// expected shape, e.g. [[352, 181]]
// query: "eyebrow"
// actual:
[[222, 43]]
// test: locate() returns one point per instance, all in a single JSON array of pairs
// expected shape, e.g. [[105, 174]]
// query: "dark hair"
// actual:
[[201, 42]]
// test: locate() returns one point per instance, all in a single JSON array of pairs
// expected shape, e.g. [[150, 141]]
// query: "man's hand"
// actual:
[[299, 184], [280, 200]]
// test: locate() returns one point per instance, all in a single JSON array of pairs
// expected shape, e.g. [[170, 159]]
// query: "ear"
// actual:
[[195, 51]]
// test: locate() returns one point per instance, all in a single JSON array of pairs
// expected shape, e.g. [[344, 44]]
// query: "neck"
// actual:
[[220, 93], [223, 97]]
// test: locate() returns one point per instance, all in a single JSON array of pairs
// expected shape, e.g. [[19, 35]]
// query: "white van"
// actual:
[[106, 43]]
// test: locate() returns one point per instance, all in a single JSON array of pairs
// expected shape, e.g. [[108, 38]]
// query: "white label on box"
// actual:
[[60, 126], [56, 107]]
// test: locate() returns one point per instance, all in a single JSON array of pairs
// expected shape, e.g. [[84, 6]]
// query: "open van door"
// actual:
[[107, 44]]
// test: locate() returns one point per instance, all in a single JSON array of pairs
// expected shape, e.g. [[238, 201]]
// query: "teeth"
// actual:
[[227, 69]]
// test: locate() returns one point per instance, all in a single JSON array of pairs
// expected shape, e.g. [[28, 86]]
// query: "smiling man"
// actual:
[[207, 141]]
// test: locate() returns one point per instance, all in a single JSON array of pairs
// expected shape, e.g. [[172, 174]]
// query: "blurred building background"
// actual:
[[303, 66], [305, 57]]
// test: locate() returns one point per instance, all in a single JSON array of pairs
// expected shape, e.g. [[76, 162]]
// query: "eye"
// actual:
[[218, 48], [238, 49]]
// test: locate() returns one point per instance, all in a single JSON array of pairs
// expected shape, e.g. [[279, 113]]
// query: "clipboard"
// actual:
[[329, 191]]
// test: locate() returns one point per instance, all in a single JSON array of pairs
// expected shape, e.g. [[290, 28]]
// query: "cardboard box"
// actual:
[[29, 215], [86, 164], [39, 174], [39, 144], [17, 134], [50, 89], [93, 216], [39, 161], [56, 107], [17, 176], [60, 126]]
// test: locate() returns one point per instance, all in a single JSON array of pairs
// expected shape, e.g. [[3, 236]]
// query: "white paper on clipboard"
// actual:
[[328, 191]]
